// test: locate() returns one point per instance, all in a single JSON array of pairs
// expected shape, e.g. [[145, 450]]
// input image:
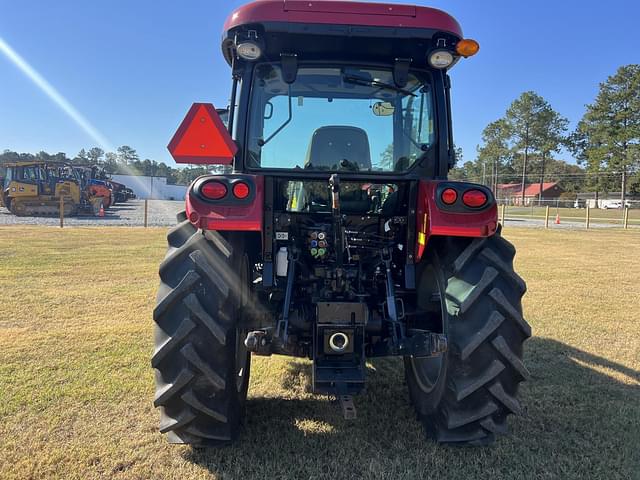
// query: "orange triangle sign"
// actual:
[[202, 138]]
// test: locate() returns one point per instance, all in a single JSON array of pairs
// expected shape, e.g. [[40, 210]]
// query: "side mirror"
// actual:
[[223, 113], [383, 109], [202, 138], [268, 107]]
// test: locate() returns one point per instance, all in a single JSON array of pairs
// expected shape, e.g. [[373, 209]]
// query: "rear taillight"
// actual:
[[449, 196], [240, 190], [474, 198], [213, 190]]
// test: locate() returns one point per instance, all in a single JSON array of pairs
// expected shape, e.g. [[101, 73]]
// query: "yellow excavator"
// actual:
[[34, 188]]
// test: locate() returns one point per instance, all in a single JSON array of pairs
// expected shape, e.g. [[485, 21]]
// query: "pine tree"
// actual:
[[608, 136], [526, 120]]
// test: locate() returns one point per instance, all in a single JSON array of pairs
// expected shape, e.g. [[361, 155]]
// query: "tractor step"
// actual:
[[347, 406]]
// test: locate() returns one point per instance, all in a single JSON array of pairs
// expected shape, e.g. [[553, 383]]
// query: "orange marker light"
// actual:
[[467, 47]]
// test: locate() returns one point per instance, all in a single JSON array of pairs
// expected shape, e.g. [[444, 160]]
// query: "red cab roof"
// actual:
[[343, 13]]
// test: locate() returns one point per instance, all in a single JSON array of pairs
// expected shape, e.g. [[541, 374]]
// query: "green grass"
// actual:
[[76, 386], [596, 215]]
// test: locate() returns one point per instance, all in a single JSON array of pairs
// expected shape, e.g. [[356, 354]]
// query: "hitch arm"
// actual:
[[397, 329], [282, 329]]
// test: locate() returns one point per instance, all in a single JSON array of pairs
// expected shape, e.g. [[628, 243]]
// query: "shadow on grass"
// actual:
[[579, 422], [299, 375]]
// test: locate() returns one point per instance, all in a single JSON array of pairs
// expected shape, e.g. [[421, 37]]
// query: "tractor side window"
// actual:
[[418, 121]]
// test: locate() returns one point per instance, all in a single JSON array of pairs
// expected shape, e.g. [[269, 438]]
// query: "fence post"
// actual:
[[546, 217], [146, 212], [61, 211], [502, 207], [626, 218], [587, 219]]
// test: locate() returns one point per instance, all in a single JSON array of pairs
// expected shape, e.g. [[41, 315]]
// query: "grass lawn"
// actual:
[[596, 215], [76, 385]]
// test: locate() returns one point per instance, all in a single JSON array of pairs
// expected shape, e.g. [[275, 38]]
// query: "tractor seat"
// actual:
[[342, 148], [339, 148]]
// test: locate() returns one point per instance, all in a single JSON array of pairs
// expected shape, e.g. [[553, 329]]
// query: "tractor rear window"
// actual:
[[339, 119], [358, 198]]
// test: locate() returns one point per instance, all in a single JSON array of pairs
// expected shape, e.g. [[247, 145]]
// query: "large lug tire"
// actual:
[[464, 396], [201, 365]]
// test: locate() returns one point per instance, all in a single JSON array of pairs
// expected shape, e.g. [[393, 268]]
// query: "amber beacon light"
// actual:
[[467, 47]]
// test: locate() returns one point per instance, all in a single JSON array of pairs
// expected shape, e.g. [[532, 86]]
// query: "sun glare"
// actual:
[[54, 95]]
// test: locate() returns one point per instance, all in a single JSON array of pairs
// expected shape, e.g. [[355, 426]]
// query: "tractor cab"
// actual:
[[371, 76]]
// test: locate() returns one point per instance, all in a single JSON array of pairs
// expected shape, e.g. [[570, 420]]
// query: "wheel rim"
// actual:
[[427, 371]]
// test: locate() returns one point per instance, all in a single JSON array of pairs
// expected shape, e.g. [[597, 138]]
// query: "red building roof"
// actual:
[[529, 191]]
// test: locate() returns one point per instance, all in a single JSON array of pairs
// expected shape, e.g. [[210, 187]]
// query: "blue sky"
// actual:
[[132, 68]]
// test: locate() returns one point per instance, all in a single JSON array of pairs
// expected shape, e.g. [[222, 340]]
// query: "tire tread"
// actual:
[[486, 332]]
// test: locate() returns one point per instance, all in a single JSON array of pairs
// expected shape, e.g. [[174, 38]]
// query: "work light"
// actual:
[[249, 51], [440, 59]]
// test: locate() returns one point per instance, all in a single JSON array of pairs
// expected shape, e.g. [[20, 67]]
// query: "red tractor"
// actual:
[[332, 232]]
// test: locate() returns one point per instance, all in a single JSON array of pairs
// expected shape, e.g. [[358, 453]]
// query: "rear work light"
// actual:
[[474, 198], [240, 190], [449, 196], [213, 190], [440, 59], [249, 51]]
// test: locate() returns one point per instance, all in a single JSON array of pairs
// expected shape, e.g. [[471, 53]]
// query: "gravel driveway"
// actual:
[[130, 214]]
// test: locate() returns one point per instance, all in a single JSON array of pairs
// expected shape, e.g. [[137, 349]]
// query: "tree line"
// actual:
[[520, 146], [124, 161]]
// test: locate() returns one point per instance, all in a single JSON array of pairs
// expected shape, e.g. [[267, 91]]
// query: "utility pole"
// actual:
[[484, 172], [524, 173], [541, 180]]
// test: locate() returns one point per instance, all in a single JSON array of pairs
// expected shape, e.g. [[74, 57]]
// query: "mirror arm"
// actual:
[[281, 127], [420, 118], [232, 105]]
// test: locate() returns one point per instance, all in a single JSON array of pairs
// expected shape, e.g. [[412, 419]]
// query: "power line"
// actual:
[[550, 175]]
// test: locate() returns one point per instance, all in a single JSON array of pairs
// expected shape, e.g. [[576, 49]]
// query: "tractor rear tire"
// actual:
[[201, 364], [464, 396]]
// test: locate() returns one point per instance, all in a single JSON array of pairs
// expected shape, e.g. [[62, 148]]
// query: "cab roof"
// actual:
[[337, 29], [335, 12]]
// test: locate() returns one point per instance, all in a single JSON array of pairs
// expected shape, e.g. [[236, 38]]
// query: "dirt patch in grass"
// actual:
[[76, 386]]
